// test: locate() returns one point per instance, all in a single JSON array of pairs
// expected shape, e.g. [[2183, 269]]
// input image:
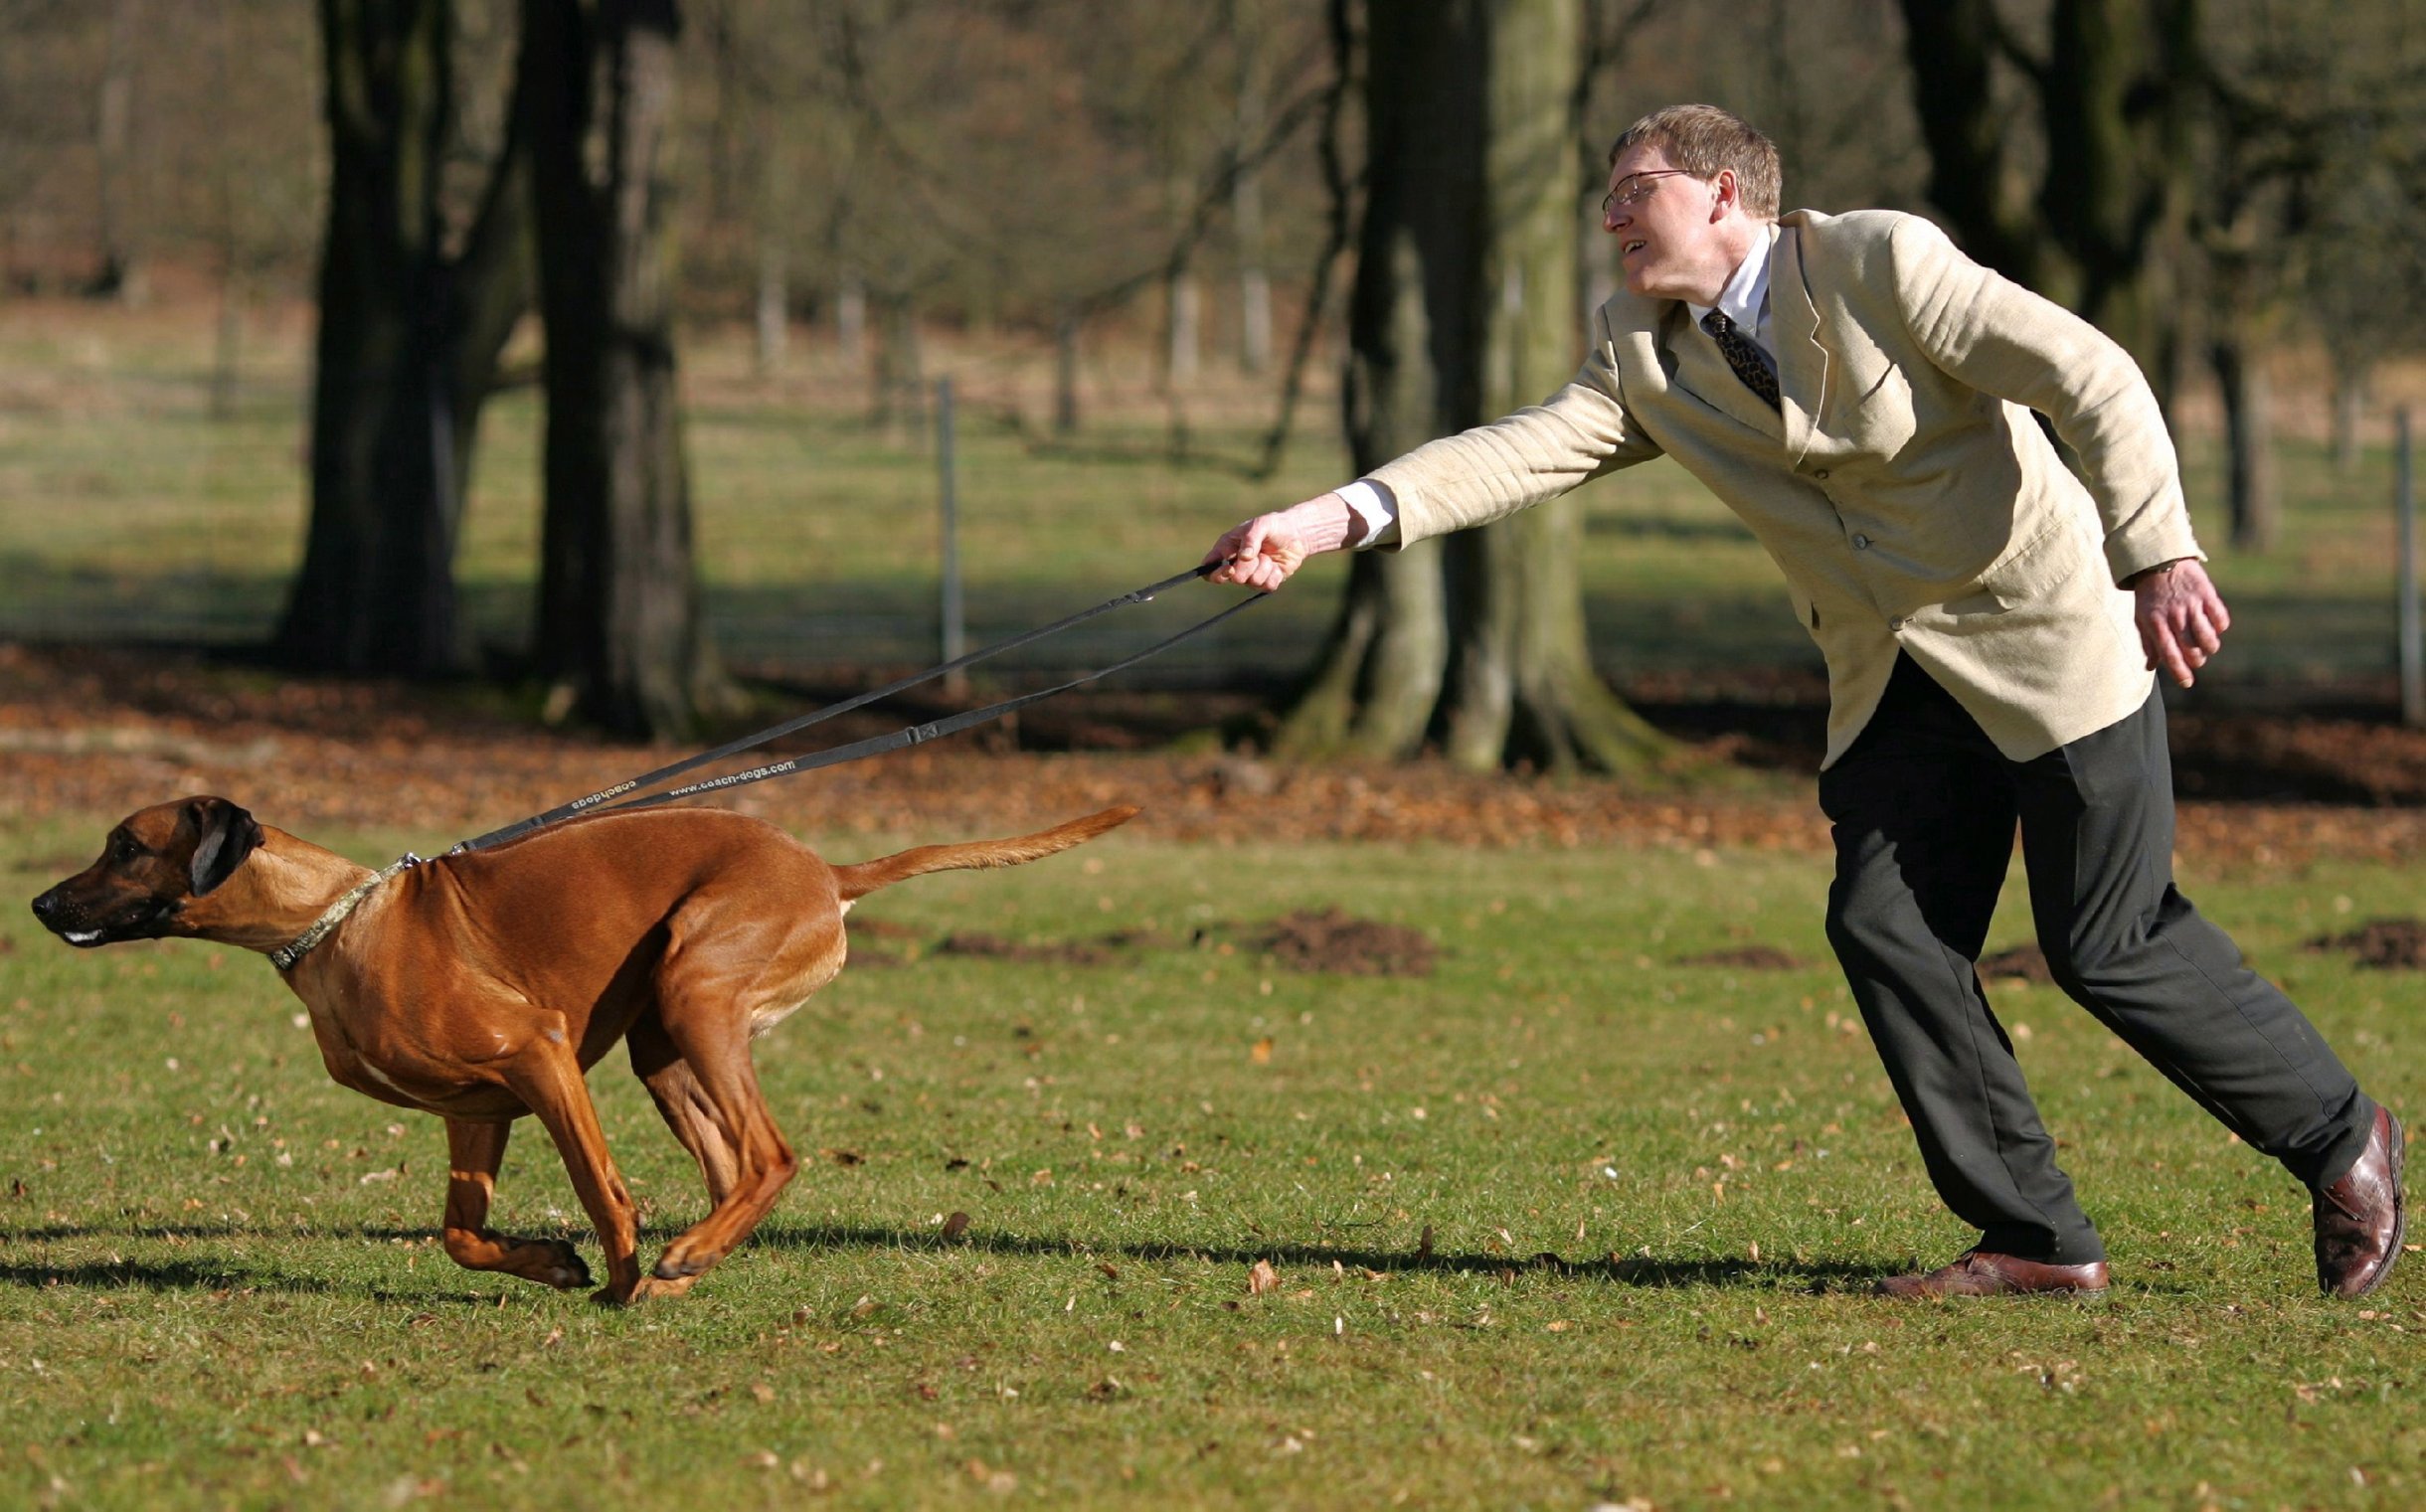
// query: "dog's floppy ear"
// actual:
[[228, 834]]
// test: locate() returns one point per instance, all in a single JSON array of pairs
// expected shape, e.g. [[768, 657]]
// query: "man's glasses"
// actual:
[[1638, 188]]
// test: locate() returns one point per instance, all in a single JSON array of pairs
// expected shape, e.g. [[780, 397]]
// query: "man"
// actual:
[[1860, 392]]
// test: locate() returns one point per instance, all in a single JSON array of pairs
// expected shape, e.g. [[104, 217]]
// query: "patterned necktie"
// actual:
[[1750, 363]]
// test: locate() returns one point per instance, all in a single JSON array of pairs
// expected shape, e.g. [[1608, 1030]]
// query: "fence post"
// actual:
[[2406, 506], [954, 622]]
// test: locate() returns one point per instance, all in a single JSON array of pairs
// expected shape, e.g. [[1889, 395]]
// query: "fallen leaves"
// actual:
[[1261, 1278]]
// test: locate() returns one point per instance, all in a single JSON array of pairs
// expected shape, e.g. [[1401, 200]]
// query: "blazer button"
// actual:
[[1820, 474], [1862, 543], [1895, 624]]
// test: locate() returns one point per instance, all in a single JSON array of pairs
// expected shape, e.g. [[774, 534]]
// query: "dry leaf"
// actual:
[[1423, 1246], [1260, 1278], [1260, 1053], [955, 1225]]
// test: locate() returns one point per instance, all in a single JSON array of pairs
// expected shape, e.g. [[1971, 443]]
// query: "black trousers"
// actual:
[[1924, 807]]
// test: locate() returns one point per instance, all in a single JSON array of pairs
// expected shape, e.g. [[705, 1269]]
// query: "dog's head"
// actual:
[[153, 864]]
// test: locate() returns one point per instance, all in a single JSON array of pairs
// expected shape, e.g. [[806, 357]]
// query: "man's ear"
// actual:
[[228, 835]]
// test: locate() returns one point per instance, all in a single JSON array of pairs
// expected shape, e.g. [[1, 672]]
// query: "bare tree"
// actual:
[[2113, 91], [619, 623], [117, 273], [411, 328], [1464, 307]]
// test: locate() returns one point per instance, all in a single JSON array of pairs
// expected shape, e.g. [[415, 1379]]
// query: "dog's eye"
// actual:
[[123, 848]]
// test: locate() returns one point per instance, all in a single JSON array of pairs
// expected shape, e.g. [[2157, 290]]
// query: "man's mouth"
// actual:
[[1628, 249]]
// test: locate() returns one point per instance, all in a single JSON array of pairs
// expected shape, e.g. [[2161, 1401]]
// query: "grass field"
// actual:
[[221, 1286], [127, 511]]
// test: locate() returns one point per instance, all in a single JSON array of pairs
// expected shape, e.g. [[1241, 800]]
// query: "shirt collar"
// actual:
[[1745, 299]]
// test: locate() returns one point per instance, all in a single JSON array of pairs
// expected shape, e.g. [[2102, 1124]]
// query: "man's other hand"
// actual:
[[2181, 618], [1263, 551]]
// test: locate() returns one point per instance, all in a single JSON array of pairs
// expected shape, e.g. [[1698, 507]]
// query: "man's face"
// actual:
[[1666, 225]]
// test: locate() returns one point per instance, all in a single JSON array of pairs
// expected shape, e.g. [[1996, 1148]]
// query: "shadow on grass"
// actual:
[[172, 1276], [1815, 1276]]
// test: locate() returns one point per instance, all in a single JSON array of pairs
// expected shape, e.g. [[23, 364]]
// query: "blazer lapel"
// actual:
[[1802, 363], [1698, 368]]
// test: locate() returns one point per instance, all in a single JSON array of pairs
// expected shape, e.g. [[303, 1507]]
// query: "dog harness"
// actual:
[[285, 955]]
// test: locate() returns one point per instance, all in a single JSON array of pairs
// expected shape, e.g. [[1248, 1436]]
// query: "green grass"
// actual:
[[127, 512], [213, 1292]]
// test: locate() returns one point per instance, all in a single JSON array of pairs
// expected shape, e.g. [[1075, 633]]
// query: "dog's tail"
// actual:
[[865, 878]]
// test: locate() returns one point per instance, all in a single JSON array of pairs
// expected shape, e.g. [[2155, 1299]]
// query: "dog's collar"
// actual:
[[285, 955]]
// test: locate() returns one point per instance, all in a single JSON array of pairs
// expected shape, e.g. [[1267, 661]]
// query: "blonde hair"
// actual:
[[1702, 139]]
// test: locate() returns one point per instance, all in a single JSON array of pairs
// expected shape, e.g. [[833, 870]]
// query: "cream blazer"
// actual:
[[1906, 490]]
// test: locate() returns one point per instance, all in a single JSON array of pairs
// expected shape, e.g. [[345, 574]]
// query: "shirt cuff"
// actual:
[[1375, 510]]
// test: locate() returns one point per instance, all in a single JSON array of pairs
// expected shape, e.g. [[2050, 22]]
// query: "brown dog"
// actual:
[[481, 986]]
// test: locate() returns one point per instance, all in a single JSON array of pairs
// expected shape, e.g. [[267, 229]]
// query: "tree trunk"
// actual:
[[2250, 485], [1183, 323], [1465, 307], [2350, 406], [1065, 374], [773, 309], [117, 273], [619, 623], [2116, 96], [897, 401], [406, 350], [1254, 284], [851, 320]]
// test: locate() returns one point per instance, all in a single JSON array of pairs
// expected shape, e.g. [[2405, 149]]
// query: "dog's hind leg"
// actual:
[[715, 1050], [473, 1151], [681, 1103]]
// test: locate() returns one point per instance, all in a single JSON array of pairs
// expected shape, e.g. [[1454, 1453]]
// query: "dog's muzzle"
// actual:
[[64, 916]]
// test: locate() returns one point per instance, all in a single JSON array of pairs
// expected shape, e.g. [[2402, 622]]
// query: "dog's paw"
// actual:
[[653, 1287], [681, 1264], [562, 1268]]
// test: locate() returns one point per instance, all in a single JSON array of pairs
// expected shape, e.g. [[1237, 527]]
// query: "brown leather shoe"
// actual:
[[2358, 1218], [1978, 1272]]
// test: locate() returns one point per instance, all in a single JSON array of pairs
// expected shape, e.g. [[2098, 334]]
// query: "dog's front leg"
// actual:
[[548, 1078], [473, 1152]]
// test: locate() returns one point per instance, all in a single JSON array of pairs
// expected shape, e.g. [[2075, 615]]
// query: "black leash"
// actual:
[[915, 734]]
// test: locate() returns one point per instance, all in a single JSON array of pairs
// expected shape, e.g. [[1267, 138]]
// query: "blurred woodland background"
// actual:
[[508, 298]]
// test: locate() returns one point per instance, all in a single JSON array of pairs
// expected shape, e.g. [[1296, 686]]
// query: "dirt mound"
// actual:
[[1071, 952], [2384, 943], [1328, 939], [2025, 962], [1745, 958]]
